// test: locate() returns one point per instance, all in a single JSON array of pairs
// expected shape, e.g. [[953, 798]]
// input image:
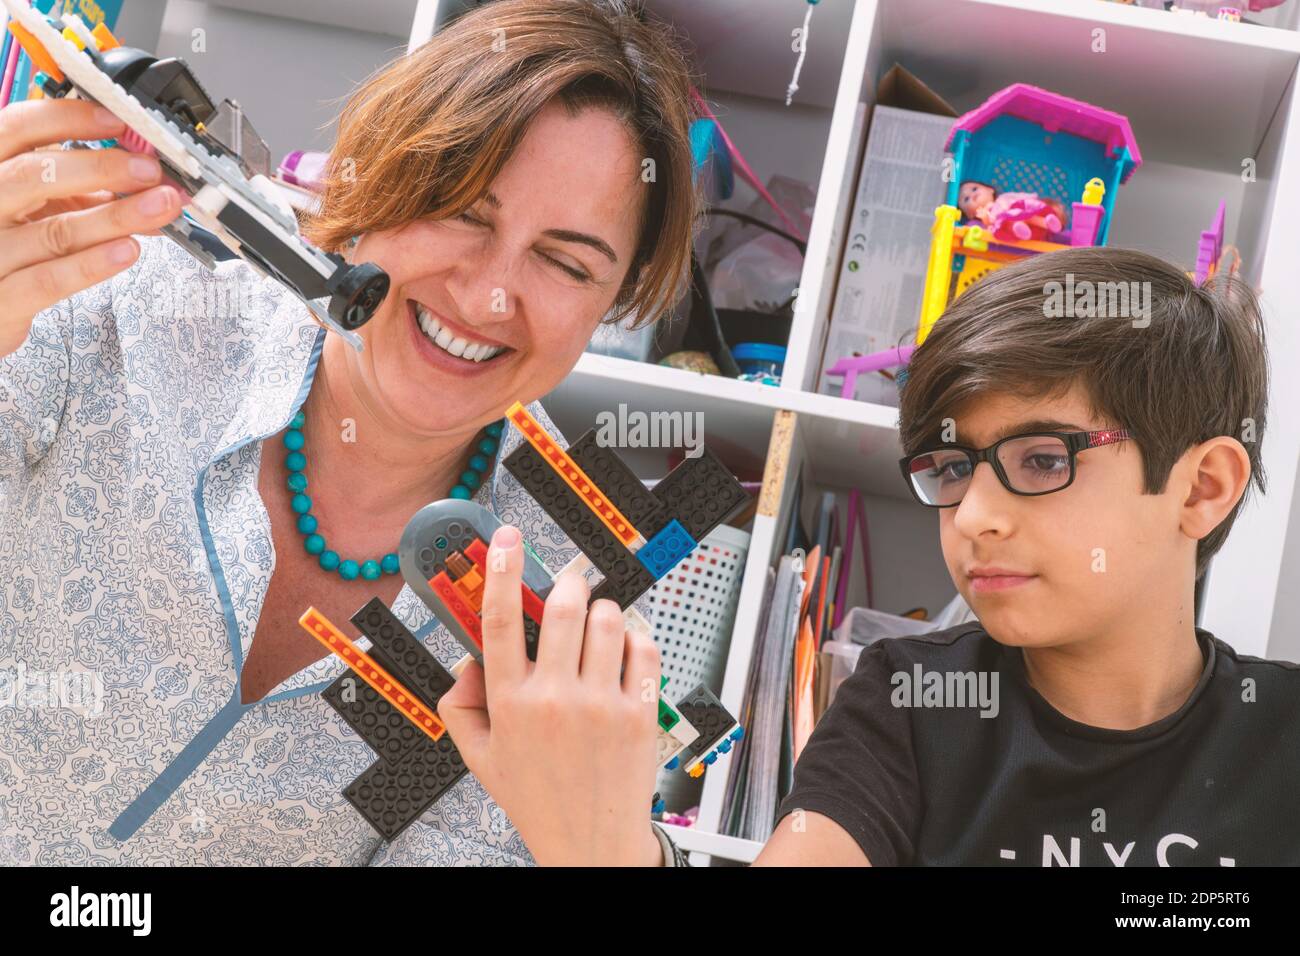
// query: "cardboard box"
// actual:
[[881, 276]]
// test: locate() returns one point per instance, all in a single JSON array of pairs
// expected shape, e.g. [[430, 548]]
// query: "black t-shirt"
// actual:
[[1217, 783]]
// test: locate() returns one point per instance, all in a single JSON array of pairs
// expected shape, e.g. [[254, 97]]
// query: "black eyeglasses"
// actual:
[[1036, 463]]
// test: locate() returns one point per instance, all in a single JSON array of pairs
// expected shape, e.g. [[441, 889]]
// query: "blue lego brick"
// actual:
[[662, 552]]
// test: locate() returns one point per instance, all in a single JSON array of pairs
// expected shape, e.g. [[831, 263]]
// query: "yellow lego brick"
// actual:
[[975, 238]]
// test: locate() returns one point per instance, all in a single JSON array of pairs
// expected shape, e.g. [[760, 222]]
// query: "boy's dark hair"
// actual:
[[1197, 371]]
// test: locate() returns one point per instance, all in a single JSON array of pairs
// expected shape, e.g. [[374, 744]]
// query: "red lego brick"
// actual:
[[533, 605], [459, 608]]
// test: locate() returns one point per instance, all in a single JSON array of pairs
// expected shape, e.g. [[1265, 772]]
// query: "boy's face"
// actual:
[[1086, 559]]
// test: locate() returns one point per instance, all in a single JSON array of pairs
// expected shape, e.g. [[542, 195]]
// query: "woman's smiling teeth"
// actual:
[[454, 344]]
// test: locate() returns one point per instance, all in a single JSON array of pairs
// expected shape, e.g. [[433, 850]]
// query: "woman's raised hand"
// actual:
[[565, 746], [62, 229]]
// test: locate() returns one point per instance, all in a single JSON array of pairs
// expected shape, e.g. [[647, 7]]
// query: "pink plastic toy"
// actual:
[[855, 365]]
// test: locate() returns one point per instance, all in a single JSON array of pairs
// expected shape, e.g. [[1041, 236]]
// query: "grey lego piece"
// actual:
[[709, 717], [434, 532], [412, 663], [624, 574]]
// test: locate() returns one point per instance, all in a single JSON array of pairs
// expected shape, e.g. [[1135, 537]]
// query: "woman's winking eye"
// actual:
[[580, 275]]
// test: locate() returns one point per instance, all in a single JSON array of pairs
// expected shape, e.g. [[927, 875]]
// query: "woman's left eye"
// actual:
[[579, 274], [466, 217]]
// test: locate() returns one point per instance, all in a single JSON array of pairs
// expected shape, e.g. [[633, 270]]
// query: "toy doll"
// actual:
[[1010, 215]]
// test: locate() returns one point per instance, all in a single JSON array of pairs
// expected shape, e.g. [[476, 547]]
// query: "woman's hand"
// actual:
[[565, 746], [61, 227]]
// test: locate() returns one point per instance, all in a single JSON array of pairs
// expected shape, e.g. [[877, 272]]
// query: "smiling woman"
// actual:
[[180, 483]]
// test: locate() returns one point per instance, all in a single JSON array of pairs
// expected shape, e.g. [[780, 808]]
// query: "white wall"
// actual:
[[244, 58], [1284, 639], [139, 23]]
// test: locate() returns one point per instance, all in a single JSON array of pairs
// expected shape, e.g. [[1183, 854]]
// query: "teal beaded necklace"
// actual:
[[349, 570]]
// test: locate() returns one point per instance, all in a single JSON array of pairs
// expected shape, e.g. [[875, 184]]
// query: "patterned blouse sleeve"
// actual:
[[34, 390], [37, 378]]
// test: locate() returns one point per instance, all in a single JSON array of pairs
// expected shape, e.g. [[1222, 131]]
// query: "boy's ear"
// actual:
[[1219, 470]]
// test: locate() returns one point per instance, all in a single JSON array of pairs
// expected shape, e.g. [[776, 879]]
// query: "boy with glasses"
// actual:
[[1119, 733]]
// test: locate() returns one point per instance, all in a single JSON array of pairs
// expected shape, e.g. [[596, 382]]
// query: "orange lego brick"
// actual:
[[460, 609], [471, 585], [104, 38], [318, 626], [574, 477], [41, 58]]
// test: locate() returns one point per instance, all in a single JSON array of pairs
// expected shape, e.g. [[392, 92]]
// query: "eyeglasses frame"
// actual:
[[1075, 442]]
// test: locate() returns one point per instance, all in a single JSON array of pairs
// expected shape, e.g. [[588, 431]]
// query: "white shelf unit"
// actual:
[[1202, 96]]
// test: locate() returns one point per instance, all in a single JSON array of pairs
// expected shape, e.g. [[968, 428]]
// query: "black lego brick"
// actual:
[[709, 717], [700, 493], [412, 663], [412, 771], [625, 592], [532, 630], [387, 731], [575, 519], [393, 796], [620, 484]]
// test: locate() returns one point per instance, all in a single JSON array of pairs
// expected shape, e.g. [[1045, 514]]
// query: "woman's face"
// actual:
[[510, 291]]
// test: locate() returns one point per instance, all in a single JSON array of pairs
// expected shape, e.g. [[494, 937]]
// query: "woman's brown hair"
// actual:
[[1175, 363], [426, 135]]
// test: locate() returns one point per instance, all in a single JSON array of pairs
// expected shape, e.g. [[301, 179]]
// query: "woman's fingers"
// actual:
[[464, 713], [504, 659], [32, 124], [641, 669], [559, 643], [71, 232], [31, 290], [72, 204], [29, 181], [602, 650]]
